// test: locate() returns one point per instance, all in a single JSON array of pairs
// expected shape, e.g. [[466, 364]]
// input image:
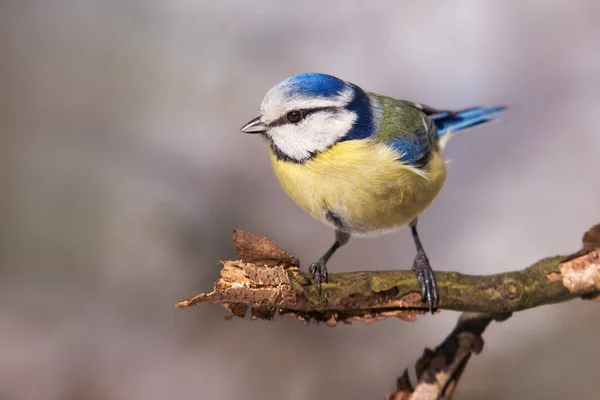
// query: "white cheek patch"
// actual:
[[317, 132]]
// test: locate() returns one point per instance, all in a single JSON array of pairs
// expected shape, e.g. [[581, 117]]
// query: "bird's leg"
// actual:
[[319, 268], [429, 291]]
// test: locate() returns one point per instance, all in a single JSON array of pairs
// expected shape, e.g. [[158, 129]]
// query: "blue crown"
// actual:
[[313, 85]]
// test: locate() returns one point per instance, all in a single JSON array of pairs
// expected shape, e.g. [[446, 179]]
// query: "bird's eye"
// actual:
[[294, 116]]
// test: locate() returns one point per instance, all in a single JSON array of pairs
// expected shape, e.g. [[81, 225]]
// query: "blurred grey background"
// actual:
[[123, 174]]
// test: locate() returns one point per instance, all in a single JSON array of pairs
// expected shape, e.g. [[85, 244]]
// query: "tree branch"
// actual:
[[438, 371], [267, 280]]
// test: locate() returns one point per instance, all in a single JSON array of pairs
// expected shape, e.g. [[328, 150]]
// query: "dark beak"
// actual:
[[254, 126]]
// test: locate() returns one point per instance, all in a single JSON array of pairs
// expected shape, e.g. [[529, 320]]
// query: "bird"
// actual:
[[360, 162]]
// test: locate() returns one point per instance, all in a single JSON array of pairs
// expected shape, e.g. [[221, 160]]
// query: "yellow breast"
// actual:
[[361, 183]]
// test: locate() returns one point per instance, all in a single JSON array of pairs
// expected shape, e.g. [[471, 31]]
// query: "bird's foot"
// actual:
[[319, 273], [429, 291]]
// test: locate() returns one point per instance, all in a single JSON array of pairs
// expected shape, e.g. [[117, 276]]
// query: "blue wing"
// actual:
[[415, 146]]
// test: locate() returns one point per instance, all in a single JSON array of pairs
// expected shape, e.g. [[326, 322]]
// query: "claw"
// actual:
[[319, 273], [426, 278]]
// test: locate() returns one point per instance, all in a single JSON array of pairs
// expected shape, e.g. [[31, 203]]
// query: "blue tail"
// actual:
[[447, 121]]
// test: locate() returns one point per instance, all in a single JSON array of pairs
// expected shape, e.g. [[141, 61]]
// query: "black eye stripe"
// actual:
[[305, 113]]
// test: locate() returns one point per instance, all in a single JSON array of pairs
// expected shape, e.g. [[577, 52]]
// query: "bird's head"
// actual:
[[308, 113]]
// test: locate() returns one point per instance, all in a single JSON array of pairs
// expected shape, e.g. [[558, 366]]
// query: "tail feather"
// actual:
[[447, 122]]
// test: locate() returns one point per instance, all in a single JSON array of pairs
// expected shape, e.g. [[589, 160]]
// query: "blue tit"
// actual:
[[360, 162]]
